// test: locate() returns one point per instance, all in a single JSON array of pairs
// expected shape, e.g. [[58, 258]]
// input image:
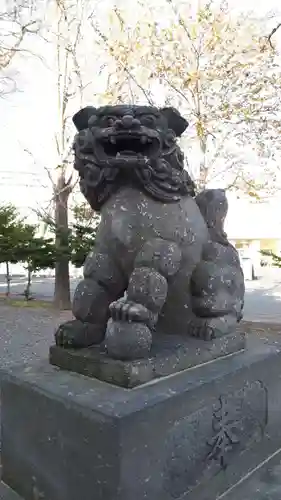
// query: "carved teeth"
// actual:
[[118, 155], [112, 139], [143, 139]]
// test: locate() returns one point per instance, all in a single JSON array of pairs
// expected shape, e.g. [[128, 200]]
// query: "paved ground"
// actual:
[[263, 301], [26, 334]]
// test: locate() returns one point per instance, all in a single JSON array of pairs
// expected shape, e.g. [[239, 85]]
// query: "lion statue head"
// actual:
[[130, 145]]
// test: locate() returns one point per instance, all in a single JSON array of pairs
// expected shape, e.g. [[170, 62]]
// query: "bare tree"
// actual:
[[18, 21], [66, 19], [70, 59], [212, 65]]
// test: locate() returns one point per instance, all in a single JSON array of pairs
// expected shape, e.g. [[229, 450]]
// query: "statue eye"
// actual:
[[107, 121], [92, 121], [111, 120], [148, 120]]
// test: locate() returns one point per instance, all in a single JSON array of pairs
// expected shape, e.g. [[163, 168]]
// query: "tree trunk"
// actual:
[[28, 284], [202, 181], [203, 172], [62, 284], [8, 280]]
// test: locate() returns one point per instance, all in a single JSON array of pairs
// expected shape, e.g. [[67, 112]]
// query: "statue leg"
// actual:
[[134, 317], [212, 327], [217, 301], [103, 283]]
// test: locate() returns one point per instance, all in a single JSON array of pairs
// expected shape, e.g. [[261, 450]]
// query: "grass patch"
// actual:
[[29, 304]]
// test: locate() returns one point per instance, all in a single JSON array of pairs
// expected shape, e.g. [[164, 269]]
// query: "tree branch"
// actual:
[[105, 40], [269, 38], [7, 53]]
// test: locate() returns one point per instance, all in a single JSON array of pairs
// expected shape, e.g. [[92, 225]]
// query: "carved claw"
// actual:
[[124, 310], [76, 334], [211, 328], [129, 330], [200, 329]]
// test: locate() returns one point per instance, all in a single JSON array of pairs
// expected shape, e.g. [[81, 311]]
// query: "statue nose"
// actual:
[[128, 122]]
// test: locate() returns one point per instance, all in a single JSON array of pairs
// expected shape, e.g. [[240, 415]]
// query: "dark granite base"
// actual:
[[189, 436], [7, 494], [264, 483], [170, 354]]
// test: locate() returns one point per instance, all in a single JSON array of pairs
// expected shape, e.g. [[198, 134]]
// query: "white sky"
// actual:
[[28, 118]]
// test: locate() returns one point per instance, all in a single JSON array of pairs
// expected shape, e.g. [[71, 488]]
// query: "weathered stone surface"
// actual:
[[161, 255], [170, 354], [264, 483], [128, 340], [191, 435], [7, 494]]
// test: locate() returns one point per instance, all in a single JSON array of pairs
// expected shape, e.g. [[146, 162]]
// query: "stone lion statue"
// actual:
[[161, 261]]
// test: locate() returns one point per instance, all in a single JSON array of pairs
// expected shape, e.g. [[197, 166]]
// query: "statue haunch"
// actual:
[[161, 260]]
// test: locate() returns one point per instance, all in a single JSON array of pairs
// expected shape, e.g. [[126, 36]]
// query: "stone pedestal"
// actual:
[[264, 482], [170, 354], [189, 435], [7, 494]]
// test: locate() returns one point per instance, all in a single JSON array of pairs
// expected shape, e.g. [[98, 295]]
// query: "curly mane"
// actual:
[[163, 178]]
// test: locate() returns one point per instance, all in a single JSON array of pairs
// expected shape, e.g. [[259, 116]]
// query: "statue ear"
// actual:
[[81, 118], [175, 121]]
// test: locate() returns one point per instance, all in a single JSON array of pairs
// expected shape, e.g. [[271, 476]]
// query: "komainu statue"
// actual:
[[161, 261]]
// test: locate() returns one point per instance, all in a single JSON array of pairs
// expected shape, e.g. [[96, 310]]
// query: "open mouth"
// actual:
[[120, 146]]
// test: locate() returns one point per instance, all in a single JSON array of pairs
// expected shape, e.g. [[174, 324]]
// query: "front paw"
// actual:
[[124, 310], [77, 334], [201, 329], [211, 328], [127, 341]]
